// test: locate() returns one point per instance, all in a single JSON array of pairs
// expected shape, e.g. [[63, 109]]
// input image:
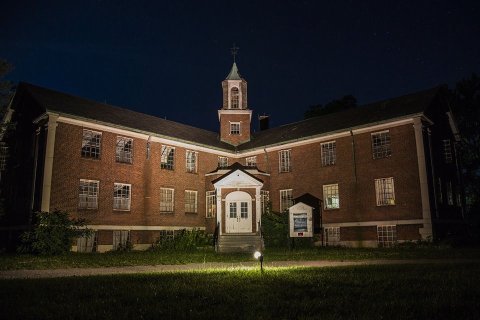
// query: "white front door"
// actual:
[[238, 215]]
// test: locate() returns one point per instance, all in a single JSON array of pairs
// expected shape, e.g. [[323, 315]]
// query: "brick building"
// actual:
[[380, 173]]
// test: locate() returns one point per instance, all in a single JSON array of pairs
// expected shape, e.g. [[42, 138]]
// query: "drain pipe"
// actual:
[[354, 156]]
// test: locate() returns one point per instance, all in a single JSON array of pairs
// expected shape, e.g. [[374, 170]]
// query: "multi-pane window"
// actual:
[[124, 150], [120, 239], [329, 153], [387, 235], [251, 162], [3, 156], [167, 158], [91, 143], [449, 193], [330, 196], [88, 194], [332, 236], [191, 158], [284, 161], [121, 196], [190, 201], [167, 235], [222, 162], [233, 209], [235, 98], [385, 191], [211, 201], [86, 243], [244, 210], [166, 200], [235, 128], [265, 200], [447, 151], [286, 199], [381, 144]]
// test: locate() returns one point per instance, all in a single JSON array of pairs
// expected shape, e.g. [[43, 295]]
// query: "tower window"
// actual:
[[234, 98], [235, 128]]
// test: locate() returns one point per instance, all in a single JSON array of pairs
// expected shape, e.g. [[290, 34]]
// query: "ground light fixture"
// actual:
[[259, 256]]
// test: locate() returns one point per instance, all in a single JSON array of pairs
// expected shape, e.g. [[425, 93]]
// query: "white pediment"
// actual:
[[238, 179]]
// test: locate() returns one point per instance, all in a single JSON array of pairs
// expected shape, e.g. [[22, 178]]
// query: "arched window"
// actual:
[[234, 99]]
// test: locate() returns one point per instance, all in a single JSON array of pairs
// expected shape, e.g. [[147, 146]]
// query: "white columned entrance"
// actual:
[[238, 212]]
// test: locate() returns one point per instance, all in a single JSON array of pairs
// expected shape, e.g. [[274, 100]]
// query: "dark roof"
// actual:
[[66, 104], [377, 112], [234, 167]]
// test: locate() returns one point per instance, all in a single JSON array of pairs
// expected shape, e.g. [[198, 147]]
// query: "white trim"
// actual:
[[139, 228], [372, 223], [48, 166]]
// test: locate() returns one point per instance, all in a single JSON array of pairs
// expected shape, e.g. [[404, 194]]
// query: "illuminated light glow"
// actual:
[[257, 254]]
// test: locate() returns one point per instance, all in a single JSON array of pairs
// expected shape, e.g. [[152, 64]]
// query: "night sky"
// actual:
[[168, 58]]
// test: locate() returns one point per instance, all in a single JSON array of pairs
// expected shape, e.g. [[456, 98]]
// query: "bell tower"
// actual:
[[234, 116]]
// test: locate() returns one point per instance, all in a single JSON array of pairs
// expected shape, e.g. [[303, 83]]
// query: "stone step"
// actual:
[[239, 243]]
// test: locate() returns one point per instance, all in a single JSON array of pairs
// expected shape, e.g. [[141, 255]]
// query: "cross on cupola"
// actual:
[[234, 51]]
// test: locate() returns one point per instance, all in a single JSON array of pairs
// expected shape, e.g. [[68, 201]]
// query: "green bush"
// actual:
[[275, 229], [183, 240], [52, 233]]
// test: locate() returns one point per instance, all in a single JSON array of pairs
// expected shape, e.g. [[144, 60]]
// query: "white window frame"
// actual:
[[265, 200], [332, 236], [251, 162], [222, 162], [210, 204], [331, 198], [386, 236], [87, 243], [124, 150], [167, 200], [191, 158], [122, 196], [88, 194], [385, 191], [235, 128], [120, 238], [447, 151], [91, 144], [191, 206], [284, 161], [329, 153], [167, 160], [286, 199], [381, 144], [234, 98]]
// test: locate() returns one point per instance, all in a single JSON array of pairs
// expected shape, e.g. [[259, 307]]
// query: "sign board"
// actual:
[[300, 220]]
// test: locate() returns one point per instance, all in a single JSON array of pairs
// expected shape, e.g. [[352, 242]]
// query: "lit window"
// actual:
[[87, 243], [447, 151], [387, 236], [191, 157], [385, 191], [235, 128], [449, 193], [167, 158], [88, 194], [120, 239], [235, 98], [211, 201], [332, 236], [286, 199], [121, 196], [124, 150], [190, 201], [222, 162], [251, 162], [91, 144], [329, 153], [381, 145], [166, 200], [330, 196], [265, 200], [284, 161]]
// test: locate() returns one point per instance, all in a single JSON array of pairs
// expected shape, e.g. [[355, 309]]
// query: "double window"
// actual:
[[88, 194], [86, 243], [166, 200], [381, 145], [331, 199], [91, 143], [234, 128], [167, 158], [124, 150], [284, 163], [211, 201], [329, 153], [191, 158], [190, 201], [121, 196], [286, 199], [385, 191], [234, 98], [120, 239]]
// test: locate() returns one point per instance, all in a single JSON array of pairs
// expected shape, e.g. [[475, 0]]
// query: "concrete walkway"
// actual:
[[80, 272]]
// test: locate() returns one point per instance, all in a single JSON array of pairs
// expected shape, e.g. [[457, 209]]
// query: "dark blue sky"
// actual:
[[168, 58]]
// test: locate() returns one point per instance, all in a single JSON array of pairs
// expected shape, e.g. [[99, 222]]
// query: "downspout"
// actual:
[[35, 165], [268, 162], [434, 177], [354, 156]]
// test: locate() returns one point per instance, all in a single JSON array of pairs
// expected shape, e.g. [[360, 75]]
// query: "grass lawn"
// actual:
[[440, 291], [111, 259]]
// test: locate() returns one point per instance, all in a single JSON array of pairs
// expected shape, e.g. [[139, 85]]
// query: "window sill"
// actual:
[[167, 212], [121, 210], [330, 209], [191, 213], [121, 162]]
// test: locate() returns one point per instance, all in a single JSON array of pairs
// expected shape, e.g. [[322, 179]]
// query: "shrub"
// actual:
[[52, 233], [183, 240], [275, 229]]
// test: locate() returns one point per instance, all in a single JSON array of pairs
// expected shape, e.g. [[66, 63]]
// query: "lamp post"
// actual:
[[259, 256]]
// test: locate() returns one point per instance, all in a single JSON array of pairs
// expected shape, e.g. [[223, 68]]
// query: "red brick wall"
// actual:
[[236, 139]]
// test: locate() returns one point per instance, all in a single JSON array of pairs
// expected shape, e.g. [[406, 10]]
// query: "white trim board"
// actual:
[[140, 228], [373, 223]]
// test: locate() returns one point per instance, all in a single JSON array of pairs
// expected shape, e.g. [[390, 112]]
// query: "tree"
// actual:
[[6, 87], [466, 107], [347, 102]]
